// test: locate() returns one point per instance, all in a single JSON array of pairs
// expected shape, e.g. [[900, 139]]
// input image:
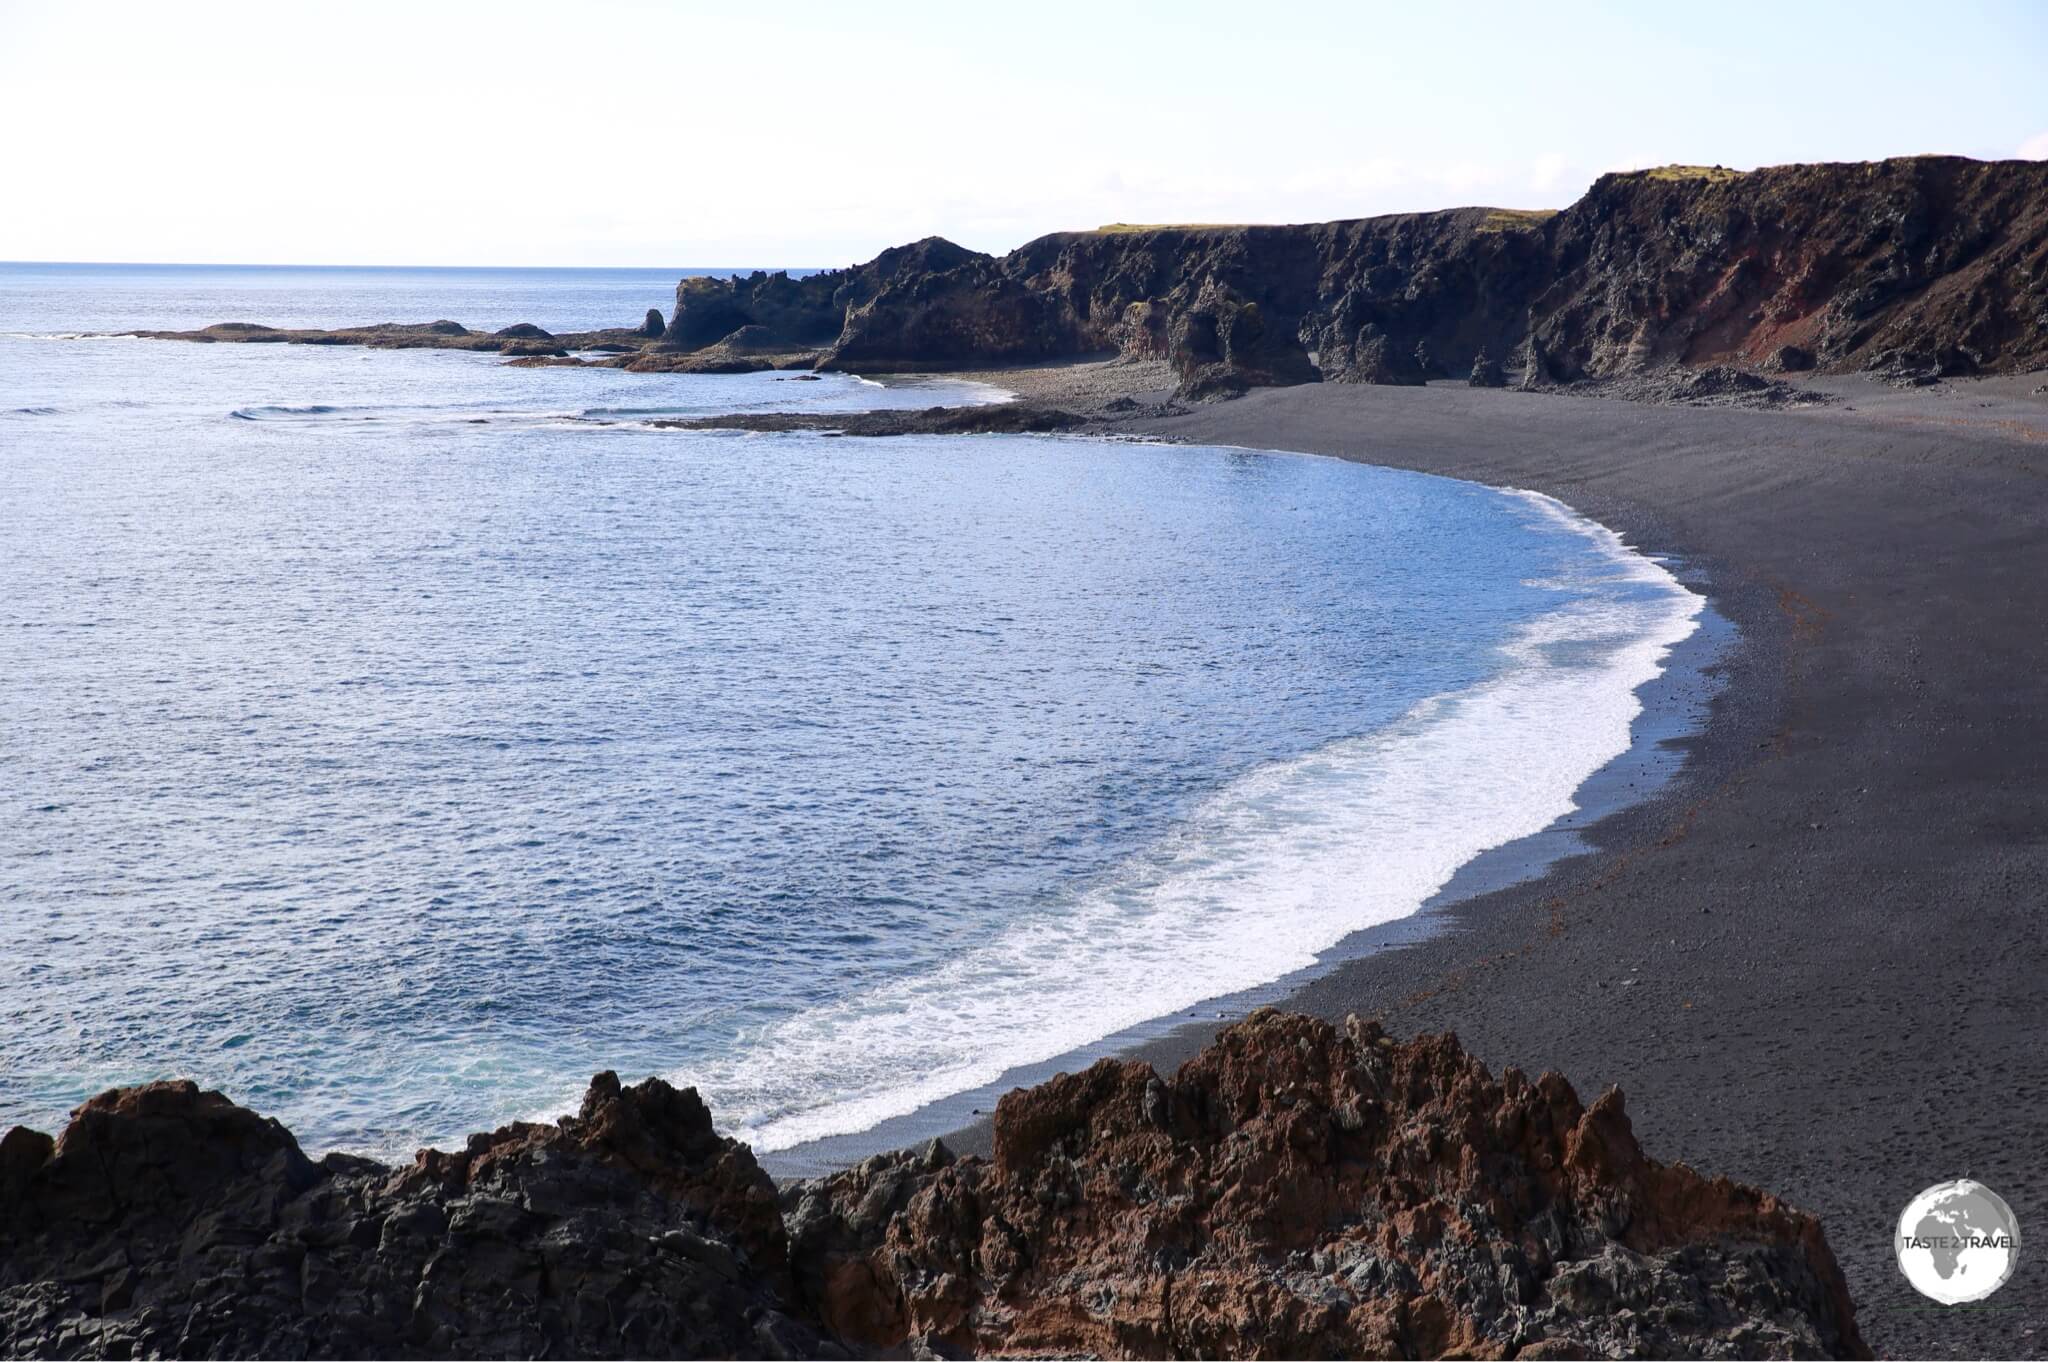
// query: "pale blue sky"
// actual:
[[446, 132]]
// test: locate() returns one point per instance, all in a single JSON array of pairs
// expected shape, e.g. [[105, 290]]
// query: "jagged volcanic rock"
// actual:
[[1486, 372], [1222, 344], [1295, 1190], [1911, 269], [801, 313], [1005, 418], [1934, 264], [168, 1221], [521, 339]]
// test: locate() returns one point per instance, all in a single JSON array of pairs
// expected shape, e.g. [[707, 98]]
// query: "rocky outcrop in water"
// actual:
[[1295, 1190], [522, 339], [1002, 418]]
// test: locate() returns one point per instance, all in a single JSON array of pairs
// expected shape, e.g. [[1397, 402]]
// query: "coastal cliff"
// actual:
[[1294, 1190], [1684, 283], [1915, 268]]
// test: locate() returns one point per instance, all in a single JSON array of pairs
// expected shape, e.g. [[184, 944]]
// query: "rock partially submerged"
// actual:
[[522, 339], [1002, 418], [1295, 1190]]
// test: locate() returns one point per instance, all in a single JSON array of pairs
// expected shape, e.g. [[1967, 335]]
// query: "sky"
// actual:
[[443, 132]]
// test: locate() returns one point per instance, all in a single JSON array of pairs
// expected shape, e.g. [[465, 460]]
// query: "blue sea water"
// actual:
[[392, 739], [187, 297]]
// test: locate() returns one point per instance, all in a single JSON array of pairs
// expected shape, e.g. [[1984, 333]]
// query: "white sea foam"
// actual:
[[1271, 870]]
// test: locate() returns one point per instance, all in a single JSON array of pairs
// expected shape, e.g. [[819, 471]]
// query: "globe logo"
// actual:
[[1958, 1242]]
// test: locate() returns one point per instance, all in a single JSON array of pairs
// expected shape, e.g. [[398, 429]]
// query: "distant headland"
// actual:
[[1679, 282]]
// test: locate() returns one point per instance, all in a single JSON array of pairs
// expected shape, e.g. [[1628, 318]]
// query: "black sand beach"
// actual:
[[1815, 960]]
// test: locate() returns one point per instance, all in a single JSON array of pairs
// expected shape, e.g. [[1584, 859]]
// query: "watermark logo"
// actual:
[[1957, 1242]]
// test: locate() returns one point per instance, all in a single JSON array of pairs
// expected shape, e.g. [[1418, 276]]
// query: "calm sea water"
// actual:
[[393, 739]]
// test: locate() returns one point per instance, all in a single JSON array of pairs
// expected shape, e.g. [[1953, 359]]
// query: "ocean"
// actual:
[[393, 739]]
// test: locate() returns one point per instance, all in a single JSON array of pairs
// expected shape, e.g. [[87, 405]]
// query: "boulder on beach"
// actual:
[[1486, 372]]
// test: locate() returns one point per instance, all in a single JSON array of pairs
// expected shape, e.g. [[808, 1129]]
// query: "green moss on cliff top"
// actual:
[[1125, 228], [1514, 219], [1711, 174]]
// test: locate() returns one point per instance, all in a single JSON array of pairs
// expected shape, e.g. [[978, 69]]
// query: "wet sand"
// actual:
[[1817, 960]]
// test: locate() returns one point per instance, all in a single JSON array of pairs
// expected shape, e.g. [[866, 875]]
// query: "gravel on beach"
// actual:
[[1816, 961]]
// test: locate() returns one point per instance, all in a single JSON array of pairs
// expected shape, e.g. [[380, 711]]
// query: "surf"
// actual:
[[1274, 868]]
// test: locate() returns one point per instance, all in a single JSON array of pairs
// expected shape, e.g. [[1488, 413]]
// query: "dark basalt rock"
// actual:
[[1680, 266], [1536, 369], [1222, 344], [1294, 1190], [168, 1221], [654, 325], [750, 338], [806, 313], [1005, 418], [1486, 372], [520, 339], [1714, 385], [971, 314], [1915, 269], [1374, 359]]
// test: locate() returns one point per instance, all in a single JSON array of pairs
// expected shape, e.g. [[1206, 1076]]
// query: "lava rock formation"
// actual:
[[1295, 1190]]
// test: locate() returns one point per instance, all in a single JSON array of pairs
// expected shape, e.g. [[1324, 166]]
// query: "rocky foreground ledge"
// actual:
[[1295, 1190]]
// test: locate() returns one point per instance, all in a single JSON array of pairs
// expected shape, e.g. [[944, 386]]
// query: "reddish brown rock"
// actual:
[[1911, 269], [1927, 264], [1295, 1190], [1299, 1192]]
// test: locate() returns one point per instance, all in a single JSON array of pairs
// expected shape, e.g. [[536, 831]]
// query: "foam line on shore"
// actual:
[[1270, 870]]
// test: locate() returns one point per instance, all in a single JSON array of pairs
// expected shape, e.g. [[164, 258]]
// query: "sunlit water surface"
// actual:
[[393, 739]]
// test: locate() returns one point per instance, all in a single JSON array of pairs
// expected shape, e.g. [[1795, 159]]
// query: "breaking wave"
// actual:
[[1274, 868]]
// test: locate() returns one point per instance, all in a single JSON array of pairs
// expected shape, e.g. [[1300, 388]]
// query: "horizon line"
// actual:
[[307, 265]]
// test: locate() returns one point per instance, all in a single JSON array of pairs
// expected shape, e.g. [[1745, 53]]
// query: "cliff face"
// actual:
[[930, 304], [1294, 1191], [1931, 263], [1920, 266]]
